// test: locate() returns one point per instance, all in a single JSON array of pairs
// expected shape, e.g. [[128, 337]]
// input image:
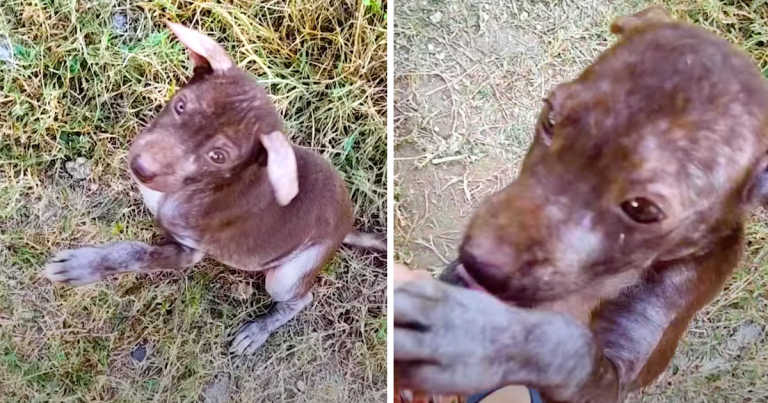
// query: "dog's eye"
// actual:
[[180, 106], [547, 122], [643, 211], [217, 156]]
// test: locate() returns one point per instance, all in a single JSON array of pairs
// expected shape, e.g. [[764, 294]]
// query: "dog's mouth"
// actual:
[[161, 183], [464, 279], [457, 274]]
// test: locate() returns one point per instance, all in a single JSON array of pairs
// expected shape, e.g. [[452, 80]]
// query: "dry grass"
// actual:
[[469, 80], [79, 80]]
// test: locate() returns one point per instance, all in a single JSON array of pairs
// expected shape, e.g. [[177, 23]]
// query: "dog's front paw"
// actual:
[[76, 266], [250, 337]]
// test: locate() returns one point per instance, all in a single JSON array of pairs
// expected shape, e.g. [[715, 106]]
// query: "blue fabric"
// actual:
[[535, 396]]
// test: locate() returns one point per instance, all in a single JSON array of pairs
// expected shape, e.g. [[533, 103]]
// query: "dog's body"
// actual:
[[222, 180], [626, 219]]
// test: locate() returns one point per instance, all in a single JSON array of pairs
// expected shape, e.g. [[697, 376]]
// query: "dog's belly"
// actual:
[[250, 262], [308, 254]]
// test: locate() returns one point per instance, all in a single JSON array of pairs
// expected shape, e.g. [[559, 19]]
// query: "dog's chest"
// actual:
[[182, 216], [152, 198], [167, 212]]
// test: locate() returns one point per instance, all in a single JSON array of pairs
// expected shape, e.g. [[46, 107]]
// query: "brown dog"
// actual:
[[627, 215], [221, 179]]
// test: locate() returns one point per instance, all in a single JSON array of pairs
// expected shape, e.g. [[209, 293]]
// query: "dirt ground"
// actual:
[[470, 77]]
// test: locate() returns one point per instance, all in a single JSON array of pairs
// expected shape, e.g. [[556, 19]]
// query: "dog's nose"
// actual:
[[141, 171]]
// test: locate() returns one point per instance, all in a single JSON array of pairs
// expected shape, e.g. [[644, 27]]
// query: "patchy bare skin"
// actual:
[[626, 218], [222, 180]]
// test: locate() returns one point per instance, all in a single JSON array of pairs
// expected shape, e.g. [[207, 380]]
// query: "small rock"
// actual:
[[431, 47], [139, 353], [681, 361], [301, 386], [484, 16], [6, 50], [120, 22], [93, 186], [436, 17], [242, 291], [218, 390], [716, 364], [747, 334], [79, 169], [523, 15]]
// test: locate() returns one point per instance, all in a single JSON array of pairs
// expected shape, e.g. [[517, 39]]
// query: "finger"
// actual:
[[413, 345], [446, 399], [403, 274], [400, 271], [442, 380], [422, 397], [409, 396]]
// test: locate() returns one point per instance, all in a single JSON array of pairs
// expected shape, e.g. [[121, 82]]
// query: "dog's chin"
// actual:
[[159, 184]]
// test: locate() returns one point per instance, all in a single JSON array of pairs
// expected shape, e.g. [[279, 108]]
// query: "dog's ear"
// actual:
[[203, 51], [631, 23], [281, 167], [756, 193]]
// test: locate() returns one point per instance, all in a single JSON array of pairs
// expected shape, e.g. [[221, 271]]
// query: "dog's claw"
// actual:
[[74, 267], [249, 338]]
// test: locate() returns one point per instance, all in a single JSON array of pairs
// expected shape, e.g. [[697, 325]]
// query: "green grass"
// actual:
[[740, 22], [521, 50], [79, 79]]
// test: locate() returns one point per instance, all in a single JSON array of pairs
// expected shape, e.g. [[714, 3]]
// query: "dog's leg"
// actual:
[[90, 264], [453, 340], [289, 285]]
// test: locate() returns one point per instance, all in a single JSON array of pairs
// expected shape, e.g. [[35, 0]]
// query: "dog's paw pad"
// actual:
[[250, 338], [74, 267]]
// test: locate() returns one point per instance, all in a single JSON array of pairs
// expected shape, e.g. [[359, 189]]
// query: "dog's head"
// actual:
[[653, 153], [219, 124]]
